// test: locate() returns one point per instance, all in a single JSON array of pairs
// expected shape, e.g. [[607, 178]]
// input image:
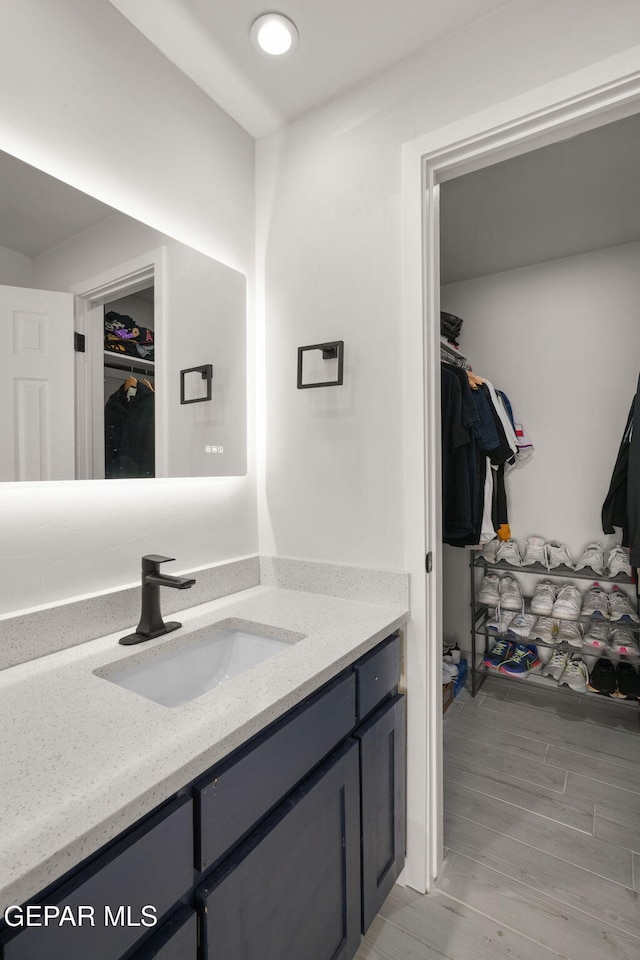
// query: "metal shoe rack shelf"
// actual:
[[480, 616]]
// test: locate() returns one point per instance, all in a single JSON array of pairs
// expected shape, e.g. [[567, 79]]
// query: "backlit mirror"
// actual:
[[125, 350]]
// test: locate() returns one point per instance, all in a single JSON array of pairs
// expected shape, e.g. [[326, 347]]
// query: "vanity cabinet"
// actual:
[[293, 889], [382, 740], [177, 939], [286, 848], [152, 865]]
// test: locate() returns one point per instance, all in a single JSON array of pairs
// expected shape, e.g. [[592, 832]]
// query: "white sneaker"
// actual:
[[618, 562], [510, 594], [623, 640], [592, 557], [568, 603], [575, 674], [596, 603], [499, 622], [556, 665], [490, 590], [489, 551], [535, 552], [570, 632], [544, 597], [521, 625], [597, 635], [557, 555], [509, 551], [545, 629], [621, 608]]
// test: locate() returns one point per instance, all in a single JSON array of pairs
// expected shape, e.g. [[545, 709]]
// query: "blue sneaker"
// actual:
[[500, 651], [523, 658]]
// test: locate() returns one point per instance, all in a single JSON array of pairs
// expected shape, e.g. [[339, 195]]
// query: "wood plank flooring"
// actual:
[[542, 835]]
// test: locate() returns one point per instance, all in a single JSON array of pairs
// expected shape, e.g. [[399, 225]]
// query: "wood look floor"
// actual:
[[542, 835]]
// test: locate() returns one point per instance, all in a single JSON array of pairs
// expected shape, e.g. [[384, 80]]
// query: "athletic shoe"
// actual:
[[545, 630], [618, 562], [509, 552], [627, 681], [521, 625], [623, 640], [500, 621], [620, 607], [556, 665], [570, 632], [489, 551], [490, 590], [557, 555], [568, 603], [544, 597], [522, 660], [575, 674], [499, 652], [510, 594], [592, 557], [603, 677], [597, 635], [596, 603], [535, 552]]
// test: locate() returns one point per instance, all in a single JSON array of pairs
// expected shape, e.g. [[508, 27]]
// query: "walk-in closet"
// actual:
[[540, 259]]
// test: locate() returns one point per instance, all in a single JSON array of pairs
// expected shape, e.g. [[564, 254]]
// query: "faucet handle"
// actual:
[[152, 561]]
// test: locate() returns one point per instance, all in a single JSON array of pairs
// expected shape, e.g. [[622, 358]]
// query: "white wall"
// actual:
[[562, 339], [88, 100], [330, 245], [16, 269]]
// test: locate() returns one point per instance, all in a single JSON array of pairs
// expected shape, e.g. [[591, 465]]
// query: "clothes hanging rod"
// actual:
[[129, 368]]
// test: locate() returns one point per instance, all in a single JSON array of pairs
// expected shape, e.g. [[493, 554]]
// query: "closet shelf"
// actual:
[[583, 620], [566, 572], [125, 361], [537, 680], [585, 651]]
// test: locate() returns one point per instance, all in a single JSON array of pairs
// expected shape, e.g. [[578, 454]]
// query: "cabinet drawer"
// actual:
[[152, 865], [292, 890], [244, 789], [377, 674], [177, 940]]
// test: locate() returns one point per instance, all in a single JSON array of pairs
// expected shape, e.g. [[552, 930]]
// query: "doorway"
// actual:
[[565, 108], [100, 373]]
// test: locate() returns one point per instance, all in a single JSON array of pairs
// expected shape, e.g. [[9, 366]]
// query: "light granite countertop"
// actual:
[[82, 759]]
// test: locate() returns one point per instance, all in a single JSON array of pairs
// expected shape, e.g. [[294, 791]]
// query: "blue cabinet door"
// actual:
[[292, 890], [382, 763]]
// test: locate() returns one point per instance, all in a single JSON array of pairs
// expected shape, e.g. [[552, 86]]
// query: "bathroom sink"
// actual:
[[202, 661]]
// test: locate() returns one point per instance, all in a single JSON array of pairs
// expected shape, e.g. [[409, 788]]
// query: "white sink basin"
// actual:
[[201, 662]]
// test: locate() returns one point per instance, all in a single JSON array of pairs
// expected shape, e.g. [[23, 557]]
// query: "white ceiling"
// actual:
[[37, 212], [342, 43], [569, 198]]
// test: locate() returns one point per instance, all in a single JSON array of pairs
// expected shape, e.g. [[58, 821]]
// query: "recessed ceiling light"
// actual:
[[274, 34]]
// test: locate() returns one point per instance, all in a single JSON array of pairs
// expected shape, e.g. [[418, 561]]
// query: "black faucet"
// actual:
[[151, 623]]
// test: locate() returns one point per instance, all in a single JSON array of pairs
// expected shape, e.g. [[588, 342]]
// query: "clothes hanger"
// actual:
[[148, 383], [130, 387]]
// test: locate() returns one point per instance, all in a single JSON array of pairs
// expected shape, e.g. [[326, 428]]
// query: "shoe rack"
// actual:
[[482, 640]]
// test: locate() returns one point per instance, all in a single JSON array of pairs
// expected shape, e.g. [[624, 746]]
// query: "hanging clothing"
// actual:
[[457, 459], [621, 507], [129, 434]]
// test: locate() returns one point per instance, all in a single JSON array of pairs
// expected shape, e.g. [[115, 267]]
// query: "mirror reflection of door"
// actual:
[[129, 386], [36, 385]]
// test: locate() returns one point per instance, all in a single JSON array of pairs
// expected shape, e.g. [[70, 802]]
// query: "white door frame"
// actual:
[[90, 295], [606, 91]]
